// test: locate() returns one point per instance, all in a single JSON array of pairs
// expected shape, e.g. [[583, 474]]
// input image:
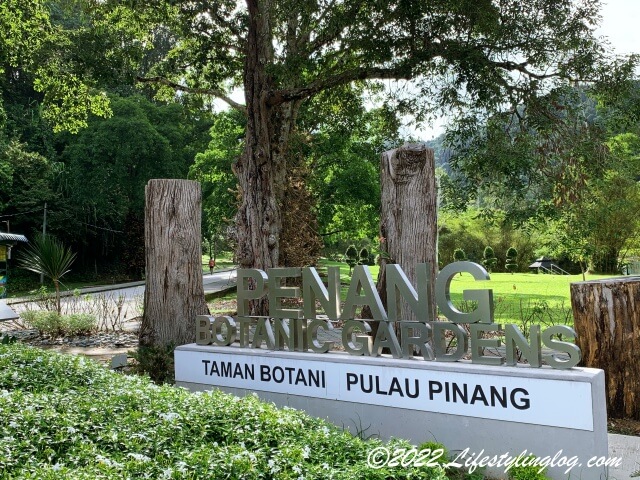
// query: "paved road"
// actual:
[[216, 282]]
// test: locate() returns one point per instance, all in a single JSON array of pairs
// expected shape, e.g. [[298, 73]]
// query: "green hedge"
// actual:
[[64, 416]]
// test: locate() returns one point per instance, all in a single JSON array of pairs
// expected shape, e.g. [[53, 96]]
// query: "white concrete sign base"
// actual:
[[487, 410]]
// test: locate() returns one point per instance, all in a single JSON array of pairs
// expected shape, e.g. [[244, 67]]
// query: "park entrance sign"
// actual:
[[297, 329], [426, 391]]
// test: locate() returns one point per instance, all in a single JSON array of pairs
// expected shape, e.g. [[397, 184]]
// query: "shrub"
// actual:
[[351, 256], [157, 362], [51, 323], [489, 260], [78, 323], [512, 260], [459, 255], [364, 256], [46, 322], [528, 472], [66, 417]]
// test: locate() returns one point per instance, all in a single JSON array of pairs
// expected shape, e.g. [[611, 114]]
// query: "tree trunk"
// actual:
[[174, 294], [607, 323], [408, 217], [261, 170]]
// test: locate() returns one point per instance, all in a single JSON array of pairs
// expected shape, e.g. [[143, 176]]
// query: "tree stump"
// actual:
[[408, 217], [174, 292], [607, 324]]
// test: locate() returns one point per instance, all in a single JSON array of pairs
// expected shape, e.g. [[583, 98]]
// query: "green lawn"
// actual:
[[520, 298], [523, 298]]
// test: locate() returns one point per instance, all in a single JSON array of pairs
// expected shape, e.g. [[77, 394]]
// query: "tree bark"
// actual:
[[607, 323], [261, 170], [408, 217], [174, 293]]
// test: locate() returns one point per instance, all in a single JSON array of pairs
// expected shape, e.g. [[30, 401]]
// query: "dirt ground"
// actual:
[[624, 426]]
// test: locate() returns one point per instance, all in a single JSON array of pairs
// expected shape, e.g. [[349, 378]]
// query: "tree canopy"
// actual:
[[463, 56]]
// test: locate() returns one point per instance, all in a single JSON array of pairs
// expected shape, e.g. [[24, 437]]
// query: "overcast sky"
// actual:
[[620, 24]]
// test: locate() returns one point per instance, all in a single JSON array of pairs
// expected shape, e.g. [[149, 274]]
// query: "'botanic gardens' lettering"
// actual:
[[296, 329]]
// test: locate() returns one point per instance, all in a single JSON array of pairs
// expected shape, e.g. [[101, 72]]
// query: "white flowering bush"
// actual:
[[64, 417]]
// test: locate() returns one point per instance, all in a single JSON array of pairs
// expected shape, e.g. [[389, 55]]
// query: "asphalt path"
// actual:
[[212, 283]]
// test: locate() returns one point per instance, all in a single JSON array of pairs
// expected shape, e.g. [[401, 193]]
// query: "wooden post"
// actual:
[[408, 217], [607, 324], [174, 293]]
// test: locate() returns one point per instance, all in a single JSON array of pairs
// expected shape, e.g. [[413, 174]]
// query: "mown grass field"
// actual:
[[519, 298], [522, 298]]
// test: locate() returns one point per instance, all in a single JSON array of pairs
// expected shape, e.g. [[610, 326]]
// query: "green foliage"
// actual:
[[31, 45], [156, 362], [54, 324], [602, 225], [463, 76], [527, 472], [6, 339], [343, 150], [213, 168], [103, 213], [489, 260], [49, 257], [66, 417], [459, 255], [470, 231], [512, 260], [351, 256], [26, 182], [364, 256]]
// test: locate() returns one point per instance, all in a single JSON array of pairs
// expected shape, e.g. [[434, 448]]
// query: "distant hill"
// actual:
[[442, 153]]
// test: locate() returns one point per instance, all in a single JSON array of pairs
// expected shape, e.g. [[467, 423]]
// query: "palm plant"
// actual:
[[49, 257]]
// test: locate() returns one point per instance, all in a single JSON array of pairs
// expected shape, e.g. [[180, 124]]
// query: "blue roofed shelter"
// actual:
[[7, 240]]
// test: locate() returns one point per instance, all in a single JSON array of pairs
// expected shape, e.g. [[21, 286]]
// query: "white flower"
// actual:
[[273, 468], [306, 451], [169, 416], [167, 473], [108, 462], [139, 457], [71, 430]]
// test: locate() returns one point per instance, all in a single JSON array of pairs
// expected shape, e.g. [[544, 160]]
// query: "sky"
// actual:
[[620, 24]]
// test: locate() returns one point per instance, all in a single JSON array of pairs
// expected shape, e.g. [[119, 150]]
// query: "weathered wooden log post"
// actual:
[[408, 217], [607, 324], [174, 292]]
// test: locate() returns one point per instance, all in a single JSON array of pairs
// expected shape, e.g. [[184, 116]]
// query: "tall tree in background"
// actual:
[[30, 44], [461, 54]]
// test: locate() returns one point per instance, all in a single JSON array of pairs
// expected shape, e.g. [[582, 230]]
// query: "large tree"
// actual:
[[461, 54]]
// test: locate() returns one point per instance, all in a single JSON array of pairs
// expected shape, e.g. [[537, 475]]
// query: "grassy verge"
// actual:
[[64, 417]]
